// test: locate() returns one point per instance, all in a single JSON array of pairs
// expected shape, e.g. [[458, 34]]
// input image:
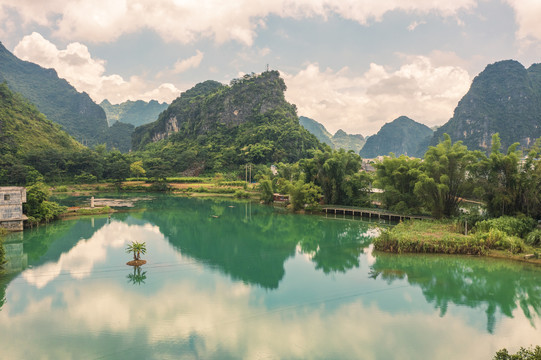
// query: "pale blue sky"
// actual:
[[350, 64]]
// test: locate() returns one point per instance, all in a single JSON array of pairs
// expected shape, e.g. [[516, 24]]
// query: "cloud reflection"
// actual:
[[79, 261]]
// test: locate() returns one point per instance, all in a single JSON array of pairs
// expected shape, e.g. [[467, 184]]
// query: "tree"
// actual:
[[499, 179], [445, 177], [137, 249], [338, 174], [267, 193], [136, 169], [397, 178]]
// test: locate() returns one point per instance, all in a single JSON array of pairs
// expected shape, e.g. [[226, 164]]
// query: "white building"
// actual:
[[11, 207]]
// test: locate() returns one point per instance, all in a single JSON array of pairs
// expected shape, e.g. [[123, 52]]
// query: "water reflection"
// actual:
[[255, 248], [492, 285], [138, 276], [231, 280]]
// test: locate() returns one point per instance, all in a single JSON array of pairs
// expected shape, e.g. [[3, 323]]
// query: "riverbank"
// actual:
[[181, 186], [447, 237]]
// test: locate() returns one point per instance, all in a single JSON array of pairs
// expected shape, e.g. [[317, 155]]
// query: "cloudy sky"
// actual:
[[349, 64]]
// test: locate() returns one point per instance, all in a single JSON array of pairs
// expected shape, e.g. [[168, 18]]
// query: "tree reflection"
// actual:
[[251, 242], [475, 282], [138, 277]]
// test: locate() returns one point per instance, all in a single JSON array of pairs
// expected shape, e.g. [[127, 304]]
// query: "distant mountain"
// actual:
[[217, 126], [55, 97], [317, 129], [23, 129], [136, 113], [504, 98], [401, 136], [340, 140]]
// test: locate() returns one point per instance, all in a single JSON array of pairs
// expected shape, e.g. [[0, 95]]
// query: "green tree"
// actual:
[[137, 249], [397, 178], [37, 207], [136, 169], [267, 192], [499, 179], [445, 177]]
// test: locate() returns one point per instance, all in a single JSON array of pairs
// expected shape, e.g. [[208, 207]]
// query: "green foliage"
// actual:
[[219, 128], [136, 169], [397, 178], [337, 174], [241, 194], [267, 191], [55, 97], [512, 226], [505, 98], [38, 208], [2, 249], [534, 238], [137, 249], [523, 354], [428, 237], [304, 195], [445, 177]]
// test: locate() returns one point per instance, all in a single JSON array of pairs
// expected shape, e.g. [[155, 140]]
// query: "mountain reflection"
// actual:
[[251, 243], [475, 282]]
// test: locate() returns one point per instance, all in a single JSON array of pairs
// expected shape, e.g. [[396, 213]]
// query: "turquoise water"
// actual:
[[235, 280]]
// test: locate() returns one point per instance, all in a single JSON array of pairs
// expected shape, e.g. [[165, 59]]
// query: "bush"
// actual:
[[513, 226], [62, 188], [522, 354], [241, 194], [534, 238]]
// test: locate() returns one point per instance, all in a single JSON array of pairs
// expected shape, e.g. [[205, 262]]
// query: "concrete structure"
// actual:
[[11, 207]]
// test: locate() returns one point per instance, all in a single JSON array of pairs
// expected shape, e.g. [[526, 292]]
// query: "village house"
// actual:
[[11, 207]]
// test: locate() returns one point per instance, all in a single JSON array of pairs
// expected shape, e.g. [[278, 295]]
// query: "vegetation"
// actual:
[[2, 249], [505, 98], [446, 238], [340, 140], [401, 136], [55, 97], [37, 207], [137, 249], [523, 354]]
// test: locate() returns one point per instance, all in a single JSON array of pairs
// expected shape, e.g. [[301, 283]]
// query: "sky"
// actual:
[[348, 64]]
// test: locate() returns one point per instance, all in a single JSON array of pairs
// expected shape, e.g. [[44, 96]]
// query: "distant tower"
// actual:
[[267, 67]]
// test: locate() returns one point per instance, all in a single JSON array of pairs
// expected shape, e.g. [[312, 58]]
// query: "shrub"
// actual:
[[534, 238], [513, 226], [241, 194], [62, 188]]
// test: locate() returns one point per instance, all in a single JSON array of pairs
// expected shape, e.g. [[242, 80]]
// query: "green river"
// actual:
[[238, 280]]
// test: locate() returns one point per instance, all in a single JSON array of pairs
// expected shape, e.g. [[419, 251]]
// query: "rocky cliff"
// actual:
[[505, 98]]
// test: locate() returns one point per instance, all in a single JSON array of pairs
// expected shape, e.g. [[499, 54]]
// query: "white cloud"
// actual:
[[415, 24], [190, 63], [189, 20], [85, 73], [527, 15], [363, 103]]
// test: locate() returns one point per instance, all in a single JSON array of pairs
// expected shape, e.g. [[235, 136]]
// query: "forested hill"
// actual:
[[54, 97], [505, 98], [340, 140], [220, 126], [24, 130], [136, 113], [316, 128], [401, 136]]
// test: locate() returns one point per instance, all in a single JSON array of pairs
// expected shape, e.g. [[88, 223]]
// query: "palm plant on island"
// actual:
[[137, 249]]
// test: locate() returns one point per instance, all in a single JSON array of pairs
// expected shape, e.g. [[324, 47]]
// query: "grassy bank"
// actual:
[[447, 237]]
